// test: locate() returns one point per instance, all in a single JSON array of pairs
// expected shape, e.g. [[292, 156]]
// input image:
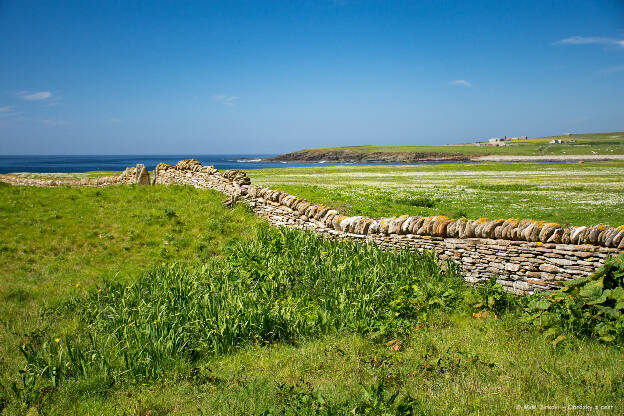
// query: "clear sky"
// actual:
[[125, 77]]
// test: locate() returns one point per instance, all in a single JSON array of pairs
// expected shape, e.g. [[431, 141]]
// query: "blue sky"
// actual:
[[270, 77]]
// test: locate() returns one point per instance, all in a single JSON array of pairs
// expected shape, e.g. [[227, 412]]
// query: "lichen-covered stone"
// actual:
[[395, 224], [618, 237], [406, 224], [309, 212], [425, 226], [498, 231], [488, 231], [535, 232], [526, 230], [374, 227], [547, 231], [602, 237], [565, 238], [301, 208], [440, 230], [451, 228], [416, 224], [362, 226], [575, 233], [556, 236], [592, 235], [435, 224], [383, 226], [327, 220], [336, 222]]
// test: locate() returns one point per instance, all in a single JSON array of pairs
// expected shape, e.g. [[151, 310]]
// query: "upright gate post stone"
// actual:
[[142, 175]]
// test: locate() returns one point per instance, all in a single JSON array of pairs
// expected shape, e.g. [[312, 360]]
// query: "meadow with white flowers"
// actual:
[[566, 193]]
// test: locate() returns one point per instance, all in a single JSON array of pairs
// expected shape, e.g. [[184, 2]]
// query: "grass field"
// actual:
[[157, 300], [585, 144], [78, 175], [566, 193]]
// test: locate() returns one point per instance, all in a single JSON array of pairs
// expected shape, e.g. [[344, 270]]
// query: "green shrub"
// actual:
[[591, 306], [382, 399], [417, 201], [490, 296]]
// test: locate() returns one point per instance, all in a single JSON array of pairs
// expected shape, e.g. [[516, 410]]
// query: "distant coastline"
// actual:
[[588, 147], [564, 148], [346, 156], [386, 158]]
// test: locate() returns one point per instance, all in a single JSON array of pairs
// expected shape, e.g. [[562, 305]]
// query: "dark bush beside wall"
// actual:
[[591, 306]]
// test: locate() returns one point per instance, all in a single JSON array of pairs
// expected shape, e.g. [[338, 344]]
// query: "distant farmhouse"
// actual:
[[497, 141], [558, 141], [494, 141]]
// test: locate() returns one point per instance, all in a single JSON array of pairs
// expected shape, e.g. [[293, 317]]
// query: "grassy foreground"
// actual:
[[565, 193], [156, 300]]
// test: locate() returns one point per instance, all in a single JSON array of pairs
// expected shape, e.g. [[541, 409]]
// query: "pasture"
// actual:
[[565, 193], [157, 300]]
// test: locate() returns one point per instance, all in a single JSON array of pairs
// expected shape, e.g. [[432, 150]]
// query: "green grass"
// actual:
[[78, 175], [55, 242], [585, 144], [208, 310], [565, 193]]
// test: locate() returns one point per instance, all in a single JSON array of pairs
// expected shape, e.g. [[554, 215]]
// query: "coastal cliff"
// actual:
[[348, 156]]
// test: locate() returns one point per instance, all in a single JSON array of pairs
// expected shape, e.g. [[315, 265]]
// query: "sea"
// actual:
[[65, 164], [86, 163]]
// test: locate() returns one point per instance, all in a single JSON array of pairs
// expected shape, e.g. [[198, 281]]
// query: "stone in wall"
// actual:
[[142, 175]]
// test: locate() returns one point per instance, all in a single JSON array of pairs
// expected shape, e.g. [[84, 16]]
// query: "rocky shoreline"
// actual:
[[352, 156]]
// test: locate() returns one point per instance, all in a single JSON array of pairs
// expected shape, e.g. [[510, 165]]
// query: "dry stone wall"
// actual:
[[521, 266], [525, 255], [129, 176]]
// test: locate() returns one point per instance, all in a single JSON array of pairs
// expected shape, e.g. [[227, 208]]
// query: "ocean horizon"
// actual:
[[87, 163]]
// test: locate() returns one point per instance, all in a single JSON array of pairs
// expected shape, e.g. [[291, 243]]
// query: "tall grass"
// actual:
[[285, 286], [292, 290]]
